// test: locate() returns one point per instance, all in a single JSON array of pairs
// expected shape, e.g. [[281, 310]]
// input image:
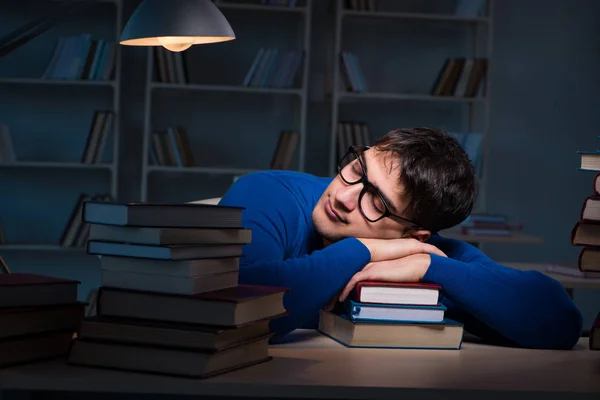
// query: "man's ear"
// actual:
[[420, 234]]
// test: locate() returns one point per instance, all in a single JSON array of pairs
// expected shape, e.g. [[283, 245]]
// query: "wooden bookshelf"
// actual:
[[225, 88], [375, 96]]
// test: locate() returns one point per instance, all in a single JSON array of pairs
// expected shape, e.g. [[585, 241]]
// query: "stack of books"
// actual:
[[392, 315], [586, 231], [39, 316], [169, 300]]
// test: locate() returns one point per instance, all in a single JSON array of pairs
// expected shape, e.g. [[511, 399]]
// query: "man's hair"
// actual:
[[437, 175]]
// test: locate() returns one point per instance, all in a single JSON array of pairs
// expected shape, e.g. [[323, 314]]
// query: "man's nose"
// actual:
[[347, 196]]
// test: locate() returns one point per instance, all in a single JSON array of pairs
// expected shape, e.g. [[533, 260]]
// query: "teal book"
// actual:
[[446, 335]]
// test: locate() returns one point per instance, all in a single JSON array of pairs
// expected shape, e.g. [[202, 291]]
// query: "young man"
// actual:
[[378, 220]]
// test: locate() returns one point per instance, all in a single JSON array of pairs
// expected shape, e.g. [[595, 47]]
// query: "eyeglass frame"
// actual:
[[366, 185]]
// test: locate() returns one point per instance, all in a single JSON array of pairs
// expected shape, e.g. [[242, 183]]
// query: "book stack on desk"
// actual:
[[169, 300], [38, 317], [393, 315]]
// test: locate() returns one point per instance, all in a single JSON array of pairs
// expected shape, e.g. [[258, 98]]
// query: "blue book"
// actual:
[[394, 312]]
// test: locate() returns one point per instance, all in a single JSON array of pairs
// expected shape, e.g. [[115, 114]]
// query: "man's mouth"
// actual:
[[333, 215]]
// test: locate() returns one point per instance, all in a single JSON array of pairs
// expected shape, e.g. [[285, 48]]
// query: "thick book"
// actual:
[[396, 293], [586, 233], [41, 346], [177, 268], [170, 333], [589, 260], [165, 236], [230, 307], [165, 252], [21, 321], [394, 312], [175, 361], [446, 335], [169, 284], [590, 210], [162, 215], [590, 160], [25, 290]]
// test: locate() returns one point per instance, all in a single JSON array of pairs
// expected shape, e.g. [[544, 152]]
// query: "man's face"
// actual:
[[337, 215]]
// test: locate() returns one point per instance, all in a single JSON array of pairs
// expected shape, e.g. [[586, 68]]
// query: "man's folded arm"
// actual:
[[313, 279], [527, 308]]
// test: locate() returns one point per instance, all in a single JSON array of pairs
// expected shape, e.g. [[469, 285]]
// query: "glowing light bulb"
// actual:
[[175, 44]]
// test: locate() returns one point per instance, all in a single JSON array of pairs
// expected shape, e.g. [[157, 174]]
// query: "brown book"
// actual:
[[34, 348], [175, 361], [22, 321], [586, 233], [226, 307], [590, 210], [589, 261], [170, 333], [24, 290]]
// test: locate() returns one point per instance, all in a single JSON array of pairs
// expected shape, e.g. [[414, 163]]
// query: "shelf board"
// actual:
[[40, 247], [50, 164], [259, 7], [201, 170], [68, 82], [408, 97], [226, 88], [418, 16], [516, 238]]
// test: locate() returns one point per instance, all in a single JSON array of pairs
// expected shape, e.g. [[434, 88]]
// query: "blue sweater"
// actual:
[[496, 303]]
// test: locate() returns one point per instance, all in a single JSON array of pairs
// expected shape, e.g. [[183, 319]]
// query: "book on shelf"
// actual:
[[186, 317], [77, 231], [39, 316], [360, 5], [353, 77], [351, 133], [284, 3], [82, 57], [7, 149], [487, 224], [460, 77], [285, 149], [393, 318], [171, 147], [100, 128], [170, 67], [274, 67]]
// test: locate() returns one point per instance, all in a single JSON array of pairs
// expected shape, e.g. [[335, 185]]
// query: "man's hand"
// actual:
[[393, 249], [410, 269]]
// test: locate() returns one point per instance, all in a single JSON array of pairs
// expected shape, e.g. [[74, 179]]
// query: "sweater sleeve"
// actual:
[[527, 308], [273, 258]]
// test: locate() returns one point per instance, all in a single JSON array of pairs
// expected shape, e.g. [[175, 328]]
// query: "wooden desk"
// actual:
[[314, 366]]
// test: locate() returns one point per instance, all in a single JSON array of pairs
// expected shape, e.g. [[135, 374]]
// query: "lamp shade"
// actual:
[[176, 24]]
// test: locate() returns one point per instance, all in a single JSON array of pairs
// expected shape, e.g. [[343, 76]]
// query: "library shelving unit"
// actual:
[[49, 120], [232, 127]]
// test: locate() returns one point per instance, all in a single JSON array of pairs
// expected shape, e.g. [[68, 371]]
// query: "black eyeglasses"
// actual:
[[371, 202]]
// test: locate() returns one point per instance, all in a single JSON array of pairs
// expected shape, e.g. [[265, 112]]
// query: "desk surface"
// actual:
[[316, 366], [569, 282]]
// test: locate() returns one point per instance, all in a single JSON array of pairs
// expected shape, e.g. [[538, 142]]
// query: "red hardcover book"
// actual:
[[396, 293]]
